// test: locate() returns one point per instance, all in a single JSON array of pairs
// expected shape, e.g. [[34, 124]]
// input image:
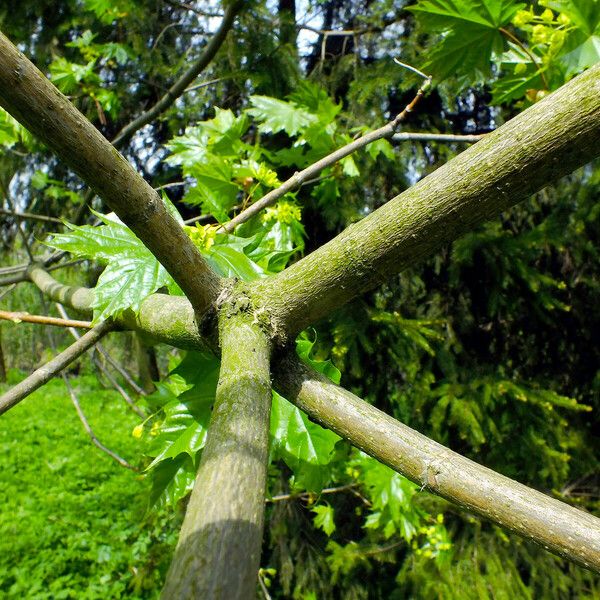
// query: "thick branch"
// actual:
[[181, 84], [545, 142], [39, 106], [219, 546], [556, 526], [53, 367], [402, 448]]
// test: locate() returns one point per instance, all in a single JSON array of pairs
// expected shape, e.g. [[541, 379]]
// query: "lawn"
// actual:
[[73, 522]]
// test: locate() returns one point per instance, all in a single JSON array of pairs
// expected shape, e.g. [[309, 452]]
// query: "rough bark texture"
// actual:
[[36, 103], [218, 553], [543, 143], [557, 527]]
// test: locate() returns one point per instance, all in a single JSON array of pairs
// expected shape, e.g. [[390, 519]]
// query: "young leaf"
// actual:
[[132, 273], [277, 115], [323, 518]]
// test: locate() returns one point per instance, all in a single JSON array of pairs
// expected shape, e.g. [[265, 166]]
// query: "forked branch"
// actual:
[[313, 170]]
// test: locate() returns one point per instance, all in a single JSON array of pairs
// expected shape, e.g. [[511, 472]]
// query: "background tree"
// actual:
[[479, 347]]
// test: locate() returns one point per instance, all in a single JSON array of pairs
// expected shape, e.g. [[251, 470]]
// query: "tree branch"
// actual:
[[90, 431], [218, 553], [182, 83], [396, 445], [51, 368], [436, 137], [39, 106], [25, 317], [31, 216], [540, 145], [556, 526], [301, 177]]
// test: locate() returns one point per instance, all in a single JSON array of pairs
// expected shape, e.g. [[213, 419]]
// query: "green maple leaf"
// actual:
[[131, 274], [470, 35], [276, 115]]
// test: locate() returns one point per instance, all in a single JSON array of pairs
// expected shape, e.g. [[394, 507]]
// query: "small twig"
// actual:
[[19, 228], [208, 53], [42, 375], [263, 587], [166, 186], [115, 365], [21, 274], [30, 216], [9, 289], [204, 84], [351, 487], [311, 171], [437, 137], [25, 317], [89, 430]]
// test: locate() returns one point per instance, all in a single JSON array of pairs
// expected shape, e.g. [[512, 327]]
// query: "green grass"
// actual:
[[72, 521]]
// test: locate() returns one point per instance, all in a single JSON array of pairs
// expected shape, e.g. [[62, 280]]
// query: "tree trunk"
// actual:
[[218, 553]]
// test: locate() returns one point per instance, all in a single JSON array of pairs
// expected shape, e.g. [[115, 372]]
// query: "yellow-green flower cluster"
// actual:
[[437, 539], [203, 236], [284, 212]]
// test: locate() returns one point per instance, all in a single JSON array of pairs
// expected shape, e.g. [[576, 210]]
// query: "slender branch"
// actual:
[[37, 104], [184, 81], [540, 145], [109, 359], [53, 367], [310, 172], [89, 430], [31, 216], [19, 272], [556, 526], [136, 409], [19, 228], [351, 487], [9, 289], [25, 317], [436, 137], [218, 553], [168, 319]]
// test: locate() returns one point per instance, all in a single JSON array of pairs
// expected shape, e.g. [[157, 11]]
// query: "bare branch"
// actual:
[[53, 367], [31, 216], [184, 81], [303, 176], [136, 409], [436, 137], [25, 317], [558, 527], [90, 432]]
